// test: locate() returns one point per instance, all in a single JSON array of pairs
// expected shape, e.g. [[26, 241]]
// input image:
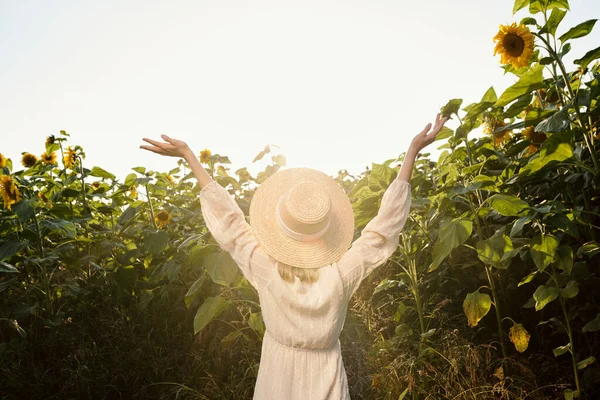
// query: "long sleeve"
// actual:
[[227, 223], [379, 238]]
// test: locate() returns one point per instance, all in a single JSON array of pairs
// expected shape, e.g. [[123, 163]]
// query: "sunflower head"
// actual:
[[42, 197], [170, 179], [205, 156], [9, 191], [133, 193], [2, 161], [49, 158], [536, 139], [70, 158], [491, 124], [162, 219], [28, 160], [96, 185], [514, 44], [50, 140]]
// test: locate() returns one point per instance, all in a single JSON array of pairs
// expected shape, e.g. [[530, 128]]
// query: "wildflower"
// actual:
[[9, 191], [514, 44], [492, 124], [28, 160], [2, 161], [49, 158], [205, 156], [162, 218], [70, 158]]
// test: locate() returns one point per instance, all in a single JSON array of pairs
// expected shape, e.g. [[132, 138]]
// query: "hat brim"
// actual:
[[317, 253]]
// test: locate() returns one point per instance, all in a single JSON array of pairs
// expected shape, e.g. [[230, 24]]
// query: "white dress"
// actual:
[[301, 357]]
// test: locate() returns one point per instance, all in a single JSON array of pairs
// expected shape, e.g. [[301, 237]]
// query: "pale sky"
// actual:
[[336, 84]]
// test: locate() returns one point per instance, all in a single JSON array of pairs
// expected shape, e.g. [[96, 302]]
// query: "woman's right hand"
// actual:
[[426, 137], [170, 147]]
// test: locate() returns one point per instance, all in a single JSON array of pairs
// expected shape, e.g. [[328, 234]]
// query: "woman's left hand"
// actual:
[[427, 136], [171, 147]]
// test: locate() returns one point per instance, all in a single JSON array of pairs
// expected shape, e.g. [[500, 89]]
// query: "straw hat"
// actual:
[[302, 218]]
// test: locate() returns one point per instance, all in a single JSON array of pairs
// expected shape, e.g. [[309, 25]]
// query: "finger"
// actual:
[[154, 142], [427, 128], [167, 139], [153, 149]]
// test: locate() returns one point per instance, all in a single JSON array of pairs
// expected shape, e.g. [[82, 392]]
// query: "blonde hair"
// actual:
[[306, 275]]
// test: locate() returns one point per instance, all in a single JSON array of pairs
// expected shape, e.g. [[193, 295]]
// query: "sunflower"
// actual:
[[170, 179], [205, 156], [536, 139], [28, 160], [491, 124], [42, 197], [2, 161], [96, 185], [133, 193], [9, 191], [49, 158], [514, 44], [162, 218], [70, 158], [50, 140]]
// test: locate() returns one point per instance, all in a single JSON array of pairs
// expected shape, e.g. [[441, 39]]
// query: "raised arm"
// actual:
[[222, 215], [380, 237]]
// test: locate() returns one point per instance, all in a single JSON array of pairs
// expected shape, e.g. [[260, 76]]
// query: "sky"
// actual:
[[334, 84]]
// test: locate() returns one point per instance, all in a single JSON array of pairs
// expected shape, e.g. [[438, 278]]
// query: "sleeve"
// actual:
[[227, 223], [379, 238]]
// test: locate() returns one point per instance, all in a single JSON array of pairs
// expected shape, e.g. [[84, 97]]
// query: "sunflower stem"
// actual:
[[151, 207]]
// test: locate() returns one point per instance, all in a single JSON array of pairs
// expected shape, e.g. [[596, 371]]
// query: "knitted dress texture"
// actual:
[[301, 357]]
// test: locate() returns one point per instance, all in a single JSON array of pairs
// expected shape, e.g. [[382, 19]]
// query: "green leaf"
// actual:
[[578, 31], [194, 291], [256, 323], [59, 226], [100, 173], [556, 148], [508, 205], [519, 4], [528, 278], [560, 350], [519, 224], [130, 179], [403, 330], [558, 122], [24, 209], [584, 363], [491, 250], [519, 336], [543, 249], [488, 100], [528, 82], [428, 334], [209, 310], [564, 259], [260, 155], [279, 159], [444, 133], [544, 295], [8, 268], [11, 247], [221, 267], [451, 107], [569, 291], [553, 22], [401, 311], [588, 57], [128, 214], [156, 242], [141, 170], [593, 325], [476, 306], [451, 235], [570, 394], [589, 249]]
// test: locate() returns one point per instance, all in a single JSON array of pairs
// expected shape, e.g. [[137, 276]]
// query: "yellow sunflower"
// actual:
[[42, 197], [205, 156], [490, 126], [2, 161], [514, 44], [133, 193], [96, 185], [536, 139], [49, 158], [9, 191], [28, 160], [50, 139], [162, 218], [70, 158], [170, 179]]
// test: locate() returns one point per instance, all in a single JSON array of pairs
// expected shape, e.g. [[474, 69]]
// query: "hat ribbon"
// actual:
[[302, 237]]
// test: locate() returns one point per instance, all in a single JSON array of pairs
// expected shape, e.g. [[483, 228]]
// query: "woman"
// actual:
[[295, 254]]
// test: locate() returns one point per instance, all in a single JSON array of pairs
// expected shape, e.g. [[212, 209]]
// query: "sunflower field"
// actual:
[[117, 290]]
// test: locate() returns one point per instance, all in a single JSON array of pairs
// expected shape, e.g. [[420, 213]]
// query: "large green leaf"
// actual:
[[593, 325], [544, 295], [588, 57], [11, 247], [508, 205], [194, 291], [554, 20], [564, 259], [61, 227], [578, 31], [556, 148], [584, 363], [491, 250], [528, 82], [475, 306], [101, 173], [557, 122], [519, 4], [451, 107], [209, 310], [451, 235], [537, 6], [155, 242], [543, 249], [488, 100], [570, 291], [221, 268]]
